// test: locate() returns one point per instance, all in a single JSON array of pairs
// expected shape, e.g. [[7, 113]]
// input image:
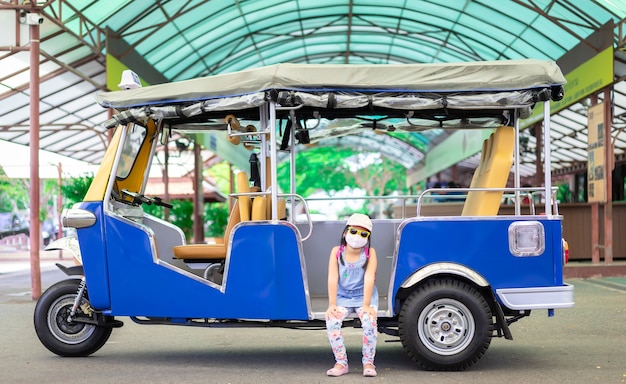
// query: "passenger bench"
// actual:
[[241, 211]]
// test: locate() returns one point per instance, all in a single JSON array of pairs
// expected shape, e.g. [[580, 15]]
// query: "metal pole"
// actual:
[[35, 236], [516, 159], [547, 165], [198, 199], [166, 179], [273, 159], [60, 206]]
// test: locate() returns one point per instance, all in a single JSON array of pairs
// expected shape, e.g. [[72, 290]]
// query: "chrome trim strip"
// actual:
[[444, 268]]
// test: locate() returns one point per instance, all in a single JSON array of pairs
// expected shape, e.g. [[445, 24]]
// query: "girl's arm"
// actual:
[[333, 280], [369, 281]]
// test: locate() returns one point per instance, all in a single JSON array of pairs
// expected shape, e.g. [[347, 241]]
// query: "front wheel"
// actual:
[[445, 325], [57, 331]]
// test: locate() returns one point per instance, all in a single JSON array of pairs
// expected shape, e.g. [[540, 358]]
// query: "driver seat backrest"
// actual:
[[282, 203], [241, 209], [492, 172]]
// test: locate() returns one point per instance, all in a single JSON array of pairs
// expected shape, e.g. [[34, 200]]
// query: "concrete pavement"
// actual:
[[584, 344], [17, 260]]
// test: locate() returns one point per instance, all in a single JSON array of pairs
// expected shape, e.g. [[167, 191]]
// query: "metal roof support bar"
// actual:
[[546, 158]]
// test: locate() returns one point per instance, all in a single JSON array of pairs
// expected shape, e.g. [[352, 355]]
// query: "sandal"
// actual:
[[336, 372], [369, 372]]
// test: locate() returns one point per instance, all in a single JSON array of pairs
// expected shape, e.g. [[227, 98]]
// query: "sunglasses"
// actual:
[[361, 232]]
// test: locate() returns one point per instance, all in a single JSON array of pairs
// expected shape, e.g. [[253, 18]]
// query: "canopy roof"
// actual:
[[167, 41], [410, 78]]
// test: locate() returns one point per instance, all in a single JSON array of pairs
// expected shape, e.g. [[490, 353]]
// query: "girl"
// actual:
[[351, 288]]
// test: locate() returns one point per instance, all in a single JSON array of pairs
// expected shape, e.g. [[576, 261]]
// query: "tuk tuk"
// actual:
[[447, 284]]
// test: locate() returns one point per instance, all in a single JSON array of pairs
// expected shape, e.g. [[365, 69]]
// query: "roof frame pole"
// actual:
[[198, 195], [263, 148], [273, 159], [516, 180], [166, 178], [292, 155], [547, 166], [35, 235]]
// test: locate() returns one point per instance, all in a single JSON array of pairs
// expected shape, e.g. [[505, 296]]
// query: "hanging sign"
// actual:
[[596, 169]]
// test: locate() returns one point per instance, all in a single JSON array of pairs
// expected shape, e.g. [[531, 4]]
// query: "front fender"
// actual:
[[68, 243]]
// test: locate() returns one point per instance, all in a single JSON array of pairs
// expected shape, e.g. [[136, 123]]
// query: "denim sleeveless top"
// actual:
[[351, 282]]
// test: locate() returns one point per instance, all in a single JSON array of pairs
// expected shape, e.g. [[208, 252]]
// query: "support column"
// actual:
[[35, 224], [595, 233], [595, 220], [608, 170]]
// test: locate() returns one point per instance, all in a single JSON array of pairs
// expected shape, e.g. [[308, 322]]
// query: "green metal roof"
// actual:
[[187, 39], [183, 39]]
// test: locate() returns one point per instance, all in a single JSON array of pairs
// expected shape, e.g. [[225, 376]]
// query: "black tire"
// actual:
[[445, 325], [65, 338]]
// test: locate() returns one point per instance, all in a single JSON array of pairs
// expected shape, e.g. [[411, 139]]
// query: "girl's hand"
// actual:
[[371, 311], [333, 312]]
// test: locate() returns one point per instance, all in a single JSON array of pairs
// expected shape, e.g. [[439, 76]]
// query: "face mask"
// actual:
[[355, 241]]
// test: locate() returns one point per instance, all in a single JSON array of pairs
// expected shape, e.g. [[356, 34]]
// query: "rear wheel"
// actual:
[[446, 325], [57, 331]]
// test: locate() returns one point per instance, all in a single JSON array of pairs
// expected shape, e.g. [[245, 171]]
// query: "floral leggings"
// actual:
[[335, 335]]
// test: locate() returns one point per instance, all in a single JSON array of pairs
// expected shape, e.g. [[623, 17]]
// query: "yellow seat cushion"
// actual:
[[210, 251], [258, 208], [245, 203], [200, 251]]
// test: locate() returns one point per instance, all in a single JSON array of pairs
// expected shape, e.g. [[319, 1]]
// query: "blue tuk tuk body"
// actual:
[[271, 282], [447, 284]]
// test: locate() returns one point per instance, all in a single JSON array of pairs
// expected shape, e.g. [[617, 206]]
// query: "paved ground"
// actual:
[[584, 344]]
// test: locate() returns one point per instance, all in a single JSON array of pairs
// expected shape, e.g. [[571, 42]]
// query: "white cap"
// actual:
[[360, 220]]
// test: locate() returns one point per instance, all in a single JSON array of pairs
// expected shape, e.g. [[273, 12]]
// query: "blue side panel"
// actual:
[[264, 277], [483, 246], [92, 242]]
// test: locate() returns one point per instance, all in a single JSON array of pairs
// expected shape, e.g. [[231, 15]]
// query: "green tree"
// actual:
[[181, 215], [332, 169], [322, 168], [14, 193], [216, 217], [74, 189]]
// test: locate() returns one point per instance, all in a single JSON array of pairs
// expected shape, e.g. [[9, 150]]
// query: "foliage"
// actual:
[[216, 218], [181, 215], [331, 169], [563, 193], [14, 193], [322, 168], [378, 175], [74, 189]]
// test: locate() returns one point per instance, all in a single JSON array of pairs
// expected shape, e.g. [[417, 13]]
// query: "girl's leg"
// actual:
[[370, 336], [335, 336]]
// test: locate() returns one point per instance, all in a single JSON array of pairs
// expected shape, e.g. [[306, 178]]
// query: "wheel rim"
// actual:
[[61, 329], [446, 327]]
